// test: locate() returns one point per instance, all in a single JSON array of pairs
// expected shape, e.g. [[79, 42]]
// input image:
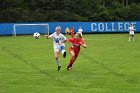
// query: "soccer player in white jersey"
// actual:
[[131, 33], [80, 30], [58, 42]]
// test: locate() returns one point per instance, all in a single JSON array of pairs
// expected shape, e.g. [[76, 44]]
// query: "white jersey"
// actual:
[[131, 30], [80, 30], [57, 39]]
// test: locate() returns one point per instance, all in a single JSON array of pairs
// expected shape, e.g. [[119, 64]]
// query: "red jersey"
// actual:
[[76, 43]]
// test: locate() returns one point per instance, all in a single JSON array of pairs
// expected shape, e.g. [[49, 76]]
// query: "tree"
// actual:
[[68, 10]]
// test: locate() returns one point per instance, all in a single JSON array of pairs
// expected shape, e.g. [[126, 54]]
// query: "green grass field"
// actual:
[[110, 64]]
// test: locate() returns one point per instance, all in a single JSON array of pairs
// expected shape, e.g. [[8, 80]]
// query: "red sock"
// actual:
[[71, 62]]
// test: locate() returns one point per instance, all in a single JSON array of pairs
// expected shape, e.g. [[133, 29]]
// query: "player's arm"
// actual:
[[49, 36], [66, 40], [83, 44], [70, 43]]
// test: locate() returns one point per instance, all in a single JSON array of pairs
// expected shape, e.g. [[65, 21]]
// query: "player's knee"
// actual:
[[73, 55], [56, 58]]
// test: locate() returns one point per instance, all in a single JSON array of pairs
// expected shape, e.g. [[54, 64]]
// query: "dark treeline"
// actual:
[[69, 10]]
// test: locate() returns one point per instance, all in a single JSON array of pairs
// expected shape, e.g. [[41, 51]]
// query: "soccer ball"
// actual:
[[36, 35]]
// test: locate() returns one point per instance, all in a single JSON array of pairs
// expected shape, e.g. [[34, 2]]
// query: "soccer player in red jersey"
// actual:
[[77, 41], [72, 32]]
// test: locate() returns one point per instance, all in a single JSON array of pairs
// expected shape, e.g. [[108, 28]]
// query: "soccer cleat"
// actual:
[[64, 54], [69, 67], [59, 67]]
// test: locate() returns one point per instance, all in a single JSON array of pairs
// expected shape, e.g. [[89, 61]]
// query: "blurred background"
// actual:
[[69, 10]]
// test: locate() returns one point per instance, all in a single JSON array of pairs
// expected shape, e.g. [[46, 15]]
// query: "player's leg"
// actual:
[[56, 54], [62, 48], [129, 39], [67, 32], [133, 36], [73, 58]]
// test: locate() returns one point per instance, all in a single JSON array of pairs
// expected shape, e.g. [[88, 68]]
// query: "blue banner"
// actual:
[[88, 27], [91, 27]]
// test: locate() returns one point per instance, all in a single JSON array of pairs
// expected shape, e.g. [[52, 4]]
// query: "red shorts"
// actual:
[[75, 51]]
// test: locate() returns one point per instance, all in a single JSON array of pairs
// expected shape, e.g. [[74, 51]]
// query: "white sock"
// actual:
[[129, 39], [63, 51], [58, 63]]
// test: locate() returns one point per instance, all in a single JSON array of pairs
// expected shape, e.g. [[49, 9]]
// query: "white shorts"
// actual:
[[60, 48], [131, 32]]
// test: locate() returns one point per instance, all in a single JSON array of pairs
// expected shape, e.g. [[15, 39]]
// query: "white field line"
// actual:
[[101, 39]]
